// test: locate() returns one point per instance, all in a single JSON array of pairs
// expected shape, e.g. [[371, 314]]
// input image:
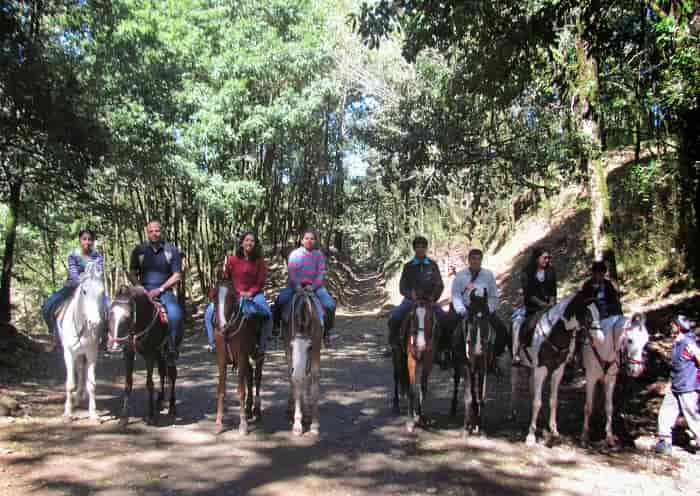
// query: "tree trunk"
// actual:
[[8, 256], [588, 95], [689, 172]]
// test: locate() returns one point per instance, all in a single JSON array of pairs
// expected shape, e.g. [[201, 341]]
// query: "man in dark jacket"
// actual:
[[606, 296], [420, 280]]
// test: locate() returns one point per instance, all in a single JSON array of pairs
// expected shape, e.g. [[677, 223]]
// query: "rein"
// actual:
[[132, 337]]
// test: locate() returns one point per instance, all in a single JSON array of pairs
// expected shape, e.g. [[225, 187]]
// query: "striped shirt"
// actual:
[[77, 265], [306, 267]]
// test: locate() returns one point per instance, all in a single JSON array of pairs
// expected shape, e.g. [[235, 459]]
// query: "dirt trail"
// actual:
[[362, 449]]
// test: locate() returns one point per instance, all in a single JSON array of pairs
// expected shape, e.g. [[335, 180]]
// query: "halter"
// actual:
[[132, 337]]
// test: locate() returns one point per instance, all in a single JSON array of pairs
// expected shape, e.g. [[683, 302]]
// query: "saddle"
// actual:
[[527, 332], [160, 308]]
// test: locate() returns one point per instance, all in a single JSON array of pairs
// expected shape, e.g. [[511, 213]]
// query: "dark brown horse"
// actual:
[[413, 360], [136, 326], [302, 339], [235, 345], [473, 349]]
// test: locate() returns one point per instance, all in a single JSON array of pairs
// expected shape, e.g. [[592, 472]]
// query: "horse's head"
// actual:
[[478, 304], [584, 312], [121, 319], [478, 327], [634, 340], [420, 326], [225, 303], [305, 330], [90, 298]]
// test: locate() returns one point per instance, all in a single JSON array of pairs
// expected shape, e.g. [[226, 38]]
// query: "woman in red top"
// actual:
[[248, 271]]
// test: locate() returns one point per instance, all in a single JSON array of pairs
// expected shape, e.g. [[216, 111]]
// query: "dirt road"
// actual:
[[363, 448]]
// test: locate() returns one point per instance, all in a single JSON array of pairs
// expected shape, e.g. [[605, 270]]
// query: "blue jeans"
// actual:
[[209, 324], [50, 305], [257, 307], [175, 315], [324, 298]]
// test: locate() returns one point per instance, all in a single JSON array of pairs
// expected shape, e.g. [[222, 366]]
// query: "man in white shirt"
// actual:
[[475, 277]]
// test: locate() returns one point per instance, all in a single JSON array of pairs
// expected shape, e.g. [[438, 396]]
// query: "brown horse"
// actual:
[[136, 326], [302, 339], [235, 345], [413, 359]]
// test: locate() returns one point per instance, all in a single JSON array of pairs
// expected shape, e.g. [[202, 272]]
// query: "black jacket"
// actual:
[[422, 277], [544, 290], [608, 302]]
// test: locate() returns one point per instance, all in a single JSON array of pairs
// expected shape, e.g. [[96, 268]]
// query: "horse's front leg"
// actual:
[[611, 438], [557, 374], [297, 381], [152, 411], [257, 406], [244, 393], [426, 368], [162, 373], [538, 376], [80, 367], [468, 410], [315, 390], [478, 385], [457, 376], [70, 359], [221, 362], [129, 356], [91, 359], [412, 373], [397, 363], [588, 408], [514, 378], [172, 378]]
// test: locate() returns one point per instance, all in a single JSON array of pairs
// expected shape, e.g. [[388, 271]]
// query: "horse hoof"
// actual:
[[67, 418], [297, 430], [123, 422], [94, 419], [172, 411], [243, 430], [465, 434], [219, 428], [315, 429], [530, 440], [410, 427], [150, 421], [612, 441]]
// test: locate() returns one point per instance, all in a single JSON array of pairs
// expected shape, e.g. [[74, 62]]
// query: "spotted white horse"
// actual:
[[619, 342], [79, 327], [551, 348]]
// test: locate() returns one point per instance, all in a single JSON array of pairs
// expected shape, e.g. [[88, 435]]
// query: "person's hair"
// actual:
[[87, 231], [420, 240], [154, 221], [257, 249], [599, 266], [533, 263], [475, 251]]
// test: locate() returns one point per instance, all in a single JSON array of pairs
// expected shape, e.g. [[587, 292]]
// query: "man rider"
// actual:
[[479, 279], [420, 279], [157, 266]]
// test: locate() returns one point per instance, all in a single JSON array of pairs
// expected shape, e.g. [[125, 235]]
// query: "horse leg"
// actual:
[[514, 376], [588, 408], [455, 389], [426, 367], [80, 367], [609, 385], [396, 359], [91, 359], [315, 392], [257, 407], [411, 423], [221, 390], [467, 400], [244, 382], [478, 384], [538, 376], [152, 411], [162, 373], [172, 378], [554, 399], [128, 385], [69, 358], [297, 393]]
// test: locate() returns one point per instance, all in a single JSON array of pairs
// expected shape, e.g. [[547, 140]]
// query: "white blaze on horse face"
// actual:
[[420, 340], [223, 291], [635, 339], [117, 315], [300, 354], [420, 315]]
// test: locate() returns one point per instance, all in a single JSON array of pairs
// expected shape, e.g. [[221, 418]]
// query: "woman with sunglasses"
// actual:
[[539, 289]]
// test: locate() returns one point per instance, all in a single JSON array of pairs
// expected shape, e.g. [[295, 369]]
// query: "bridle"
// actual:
[[132, 338]]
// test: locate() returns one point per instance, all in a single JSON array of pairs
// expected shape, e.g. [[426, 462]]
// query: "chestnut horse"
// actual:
[[235, 345], [136, 326], [413, 360]]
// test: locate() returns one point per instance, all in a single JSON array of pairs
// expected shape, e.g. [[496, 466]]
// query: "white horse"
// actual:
[[551, 347], [78, 327], [303, 337], [619, 343]]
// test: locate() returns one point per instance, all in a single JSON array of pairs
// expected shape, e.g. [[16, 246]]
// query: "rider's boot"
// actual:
[[328, 322]]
